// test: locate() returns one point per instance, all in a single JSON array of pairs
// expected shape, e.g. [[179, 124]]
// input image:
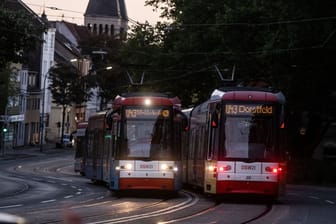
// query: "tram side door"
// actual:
[[213, 143], [210, 182], [112, 144], [95, 155], [107, 155]]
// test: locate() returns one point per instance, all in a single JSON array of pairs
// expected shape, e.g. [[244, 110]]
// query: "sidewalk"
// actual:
[[32, 151]]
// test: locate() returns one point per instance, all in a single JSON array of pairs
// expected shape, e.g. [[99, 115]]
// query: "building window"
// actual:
[[100, 28], [112, 30], [122, 33], [52, 41], [106, 29], [95, 28], [32, 80], [46, 41], [28, 104]]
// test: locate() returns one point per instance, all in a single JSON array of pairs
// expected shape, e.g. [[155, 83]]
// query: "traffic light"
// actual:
[[4, 128]]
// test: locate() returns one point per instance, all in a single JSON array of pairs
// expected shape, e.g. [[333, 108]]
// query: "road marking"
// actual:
[[330, 202], [69, 196], [11, 206], [314, 197], [48, 201]]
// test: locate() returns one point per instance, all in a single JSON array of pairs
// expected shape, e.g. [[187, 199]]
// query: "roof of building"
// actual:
[[68, 37], [80, 32], [18, 5], [112, 8]]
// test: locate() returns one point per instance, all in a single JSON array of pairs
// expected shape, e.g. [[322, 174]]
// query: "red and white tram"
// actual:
[[137, 144], [237, 143]]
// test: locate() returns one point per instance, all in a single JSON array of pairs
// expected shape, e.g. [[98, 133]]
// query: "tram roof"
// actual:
[[138, 98], [248, 94]]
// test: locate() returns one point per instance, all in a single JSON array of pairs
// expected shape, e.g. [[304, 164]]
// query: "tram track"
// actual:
[[187, 208], [121, 210], [266, 211], [191, 200]]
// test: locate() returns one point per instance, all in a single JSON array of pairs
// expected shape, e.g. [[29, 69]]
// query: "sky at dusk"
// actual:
[[73, 10]]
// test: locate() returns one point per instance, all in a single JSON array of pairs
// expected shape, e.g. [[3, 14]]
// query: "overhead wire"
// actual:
[[174, 54], [258, 24]]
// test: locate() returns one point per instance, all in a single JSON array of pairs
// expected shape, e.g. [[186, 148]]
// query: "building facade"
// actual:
[[107, 17], [31, 116], [23, 110]]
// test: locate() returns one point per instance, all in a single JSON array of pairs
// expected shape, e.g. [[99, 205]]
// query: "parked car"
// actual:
[[68, 140]]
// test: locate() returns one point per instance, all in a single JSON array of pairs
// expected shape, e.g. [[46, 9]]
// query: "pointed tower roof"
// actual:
[[110, 8]]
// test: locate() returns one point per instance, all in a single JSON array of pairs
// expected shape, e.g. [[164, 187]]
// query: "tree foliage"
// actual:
[[104, 51], [19, 34], [291, 44], [68, 87]]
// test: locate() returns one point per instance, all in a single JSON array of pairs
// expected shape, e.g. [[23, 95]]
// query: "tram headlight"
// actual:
[[164, 166], [148, 102], [127, 166], [212, 168]]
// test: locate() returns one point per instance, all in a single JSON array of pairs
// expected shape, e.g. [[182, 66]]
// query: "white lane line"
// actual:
[[48, 201], [314, 197], [330, 202], [11, 206], [68, 196]]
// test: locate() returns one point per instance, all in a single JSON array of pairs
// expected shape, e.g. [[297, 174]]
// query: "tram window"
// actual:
[[214, 119], [248, 137]]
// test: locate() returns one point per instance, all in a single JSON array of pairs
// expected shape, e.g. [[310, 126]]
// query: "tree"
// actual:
[[68, 87], [289, 44], [110, 82], [19, 34]]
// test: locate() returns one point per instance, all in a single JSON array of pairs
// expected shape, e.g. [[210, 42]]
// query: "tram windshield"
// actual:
[[249, 137], [148, 134]]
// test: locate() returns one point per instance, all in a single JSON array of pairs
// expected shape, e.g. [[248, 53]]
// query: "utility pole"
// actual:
[[42, 113]]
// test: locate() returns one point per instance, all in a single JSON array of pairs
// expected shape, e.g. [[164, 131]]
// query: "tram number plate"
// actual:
[[248, 177]]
